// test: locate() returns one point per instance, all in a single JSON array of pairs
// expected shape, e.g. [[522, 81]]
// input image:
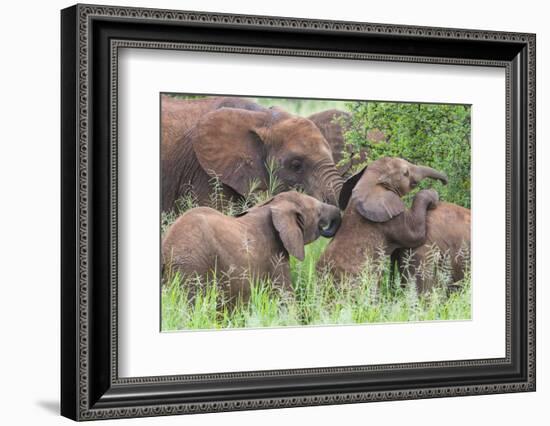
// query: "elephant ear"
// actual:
[[289, 224], [347, 188], [229, 146], [254, 207], [376, 203]]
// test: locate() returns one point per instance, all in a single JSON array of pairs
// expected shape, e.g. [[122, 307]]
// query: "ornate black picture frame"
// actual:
[[91, 36]]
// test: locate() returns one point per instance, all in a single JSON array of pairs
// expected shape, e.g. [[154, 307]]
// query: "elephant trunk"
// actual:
[[329, 226], [423, 172], [327, 183]]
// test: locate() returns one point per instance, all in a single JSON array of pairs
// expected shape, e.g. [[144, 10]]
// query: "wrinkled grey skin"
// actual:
[[376, 221], [256, 244], [237, 141]]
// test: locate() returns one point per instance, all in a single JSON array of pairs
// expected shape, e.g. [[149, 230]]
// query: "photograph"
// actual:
[[264, 211], [279, 212]]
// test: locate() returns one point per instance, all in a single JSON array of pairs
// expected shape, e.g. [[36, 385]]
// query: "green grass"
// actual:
[[377, 296], [318, 299]]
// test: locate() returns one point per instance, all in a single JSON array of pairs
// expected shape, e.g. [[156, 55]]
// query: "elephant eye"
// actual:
[[406, 173], [296, 165]]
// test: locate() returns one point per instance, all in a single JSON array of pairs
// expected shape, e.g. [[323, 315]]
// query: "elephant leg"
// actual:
[[424, 273], [426, 267], [458, 266], [281, 277], [234, 291], [414, 264]]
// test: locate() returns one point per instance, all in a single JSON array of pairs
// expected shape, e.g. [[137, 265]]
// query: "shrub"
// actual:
[[433, 135]]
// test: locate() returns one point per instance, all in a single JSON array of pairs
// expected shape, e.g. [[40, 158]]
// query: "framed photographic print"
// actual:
[[263, 212]]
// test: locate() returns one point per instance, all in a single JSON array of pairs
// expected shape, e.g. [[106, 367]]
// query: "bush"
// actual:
[[426, 134]]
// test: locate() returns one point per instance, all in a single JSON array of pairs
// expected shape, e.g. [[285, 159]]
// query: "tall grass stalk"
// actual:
[[376, 296]]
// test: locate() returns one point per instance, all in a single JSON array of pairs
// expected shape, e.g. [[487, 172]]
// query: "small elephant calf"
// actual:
[[376, 221], [254, 245]]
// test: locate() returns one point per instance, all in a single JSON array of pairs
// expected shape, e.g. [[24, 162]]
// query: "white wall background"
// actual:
[[29, 212]]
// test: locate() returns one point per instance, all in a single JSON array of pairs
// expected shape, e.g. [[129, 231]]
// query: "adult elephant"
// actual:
[[446, 250], [179, 115], [376, 221], [333, 124], [242, 145]]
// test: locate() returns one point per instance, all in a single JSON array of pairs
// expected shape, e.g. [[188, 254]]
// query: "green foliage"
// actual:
[[434, 135], [427, 134], [375, 296], [302, 107]]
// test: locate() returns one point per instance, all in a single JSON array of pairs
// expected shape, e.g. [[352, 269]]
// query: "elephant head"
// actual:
[[300, 219], [378, 188], [370, 200], [333, 124], [238, 146]]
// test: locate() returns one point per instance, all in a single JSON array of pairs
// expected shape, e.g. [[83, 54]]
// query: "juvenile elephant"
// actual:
[[256, 244], [240, 143], [333, 123], [448, 231], [375, 220]]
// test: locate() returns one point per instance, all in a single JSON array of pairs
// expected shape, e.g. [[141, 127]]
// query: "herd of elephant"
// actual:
[[234, 139]]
